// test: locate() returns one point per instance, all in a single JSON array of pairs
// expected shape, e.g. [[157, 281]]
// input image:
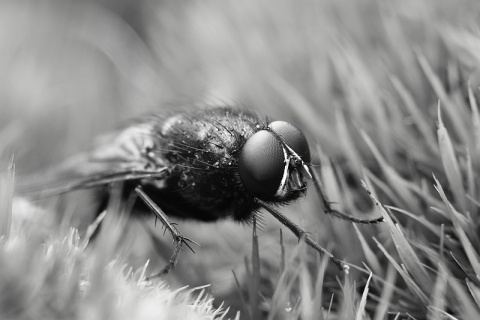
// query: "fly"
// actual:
[[205, 164]]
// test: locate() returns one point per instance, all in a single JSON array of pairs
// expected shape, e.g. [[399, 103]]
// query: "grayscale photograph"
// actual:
[[257, 159]]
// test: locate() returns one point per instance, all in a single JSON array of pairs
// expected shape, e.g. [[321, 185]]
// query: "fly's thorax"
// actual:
[[207, 140], [204, 147]]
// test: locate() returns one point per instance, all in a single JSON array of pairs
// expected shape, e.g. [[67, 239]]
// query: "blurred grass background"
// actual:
[[361, 78]]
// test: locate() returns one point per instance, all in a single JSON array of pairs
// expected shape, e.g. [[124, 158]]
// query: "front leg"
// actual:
[[303, 235], [329, 210]]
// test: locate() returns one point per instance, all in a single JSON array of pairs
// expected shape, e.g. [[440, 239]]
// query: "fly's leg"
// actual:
[[178, 238], [329, 210], [302, 234]]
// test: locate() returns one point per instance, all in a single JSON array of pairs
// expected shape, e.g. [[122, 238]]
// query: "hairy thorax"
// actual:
[[203, 154]]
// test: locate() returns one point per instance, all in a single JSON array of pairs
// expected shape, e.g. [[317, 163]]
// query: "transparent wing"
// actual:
[[121, 156], [34, 190]]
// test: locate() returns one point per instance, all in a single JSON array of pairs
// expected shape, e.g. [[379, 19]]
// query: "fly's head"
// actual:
[[274, 163]]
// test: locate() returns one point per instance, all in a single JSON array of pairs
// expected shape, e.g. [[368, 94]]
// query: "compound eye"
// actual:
[[261, 164], [293, 137]]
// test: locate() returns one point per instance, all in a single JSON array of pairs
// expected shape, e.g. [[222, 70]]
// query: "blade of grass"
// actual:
[[387, 293], [446, 315], [364, 95], [280, 297], [417, 116], [454, 216], [282, 253], [471, 187], [306, 309], [254, 283], [7, 181], [474, 291], [346, 143], [348, 293], [240, 294], [455, 114], [386, 189], [363, 301], [370, 256], [391, 175], [412, 285], [450, 164], [420, 219], [405, 250], [465, 307], [438, 296], [475, 118], [466, 269], [318, 287]]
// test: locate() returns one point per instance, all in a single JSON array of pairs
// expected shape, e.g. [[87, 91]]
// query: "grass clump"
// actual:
[[51, 274]]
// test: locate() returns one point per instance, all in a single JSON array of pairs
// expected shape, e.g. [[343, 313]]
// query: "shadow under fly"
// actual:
[[202, 163]]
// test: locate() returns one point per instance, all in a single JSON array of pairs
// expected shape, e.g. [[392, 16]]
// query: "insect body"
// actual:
[[203, 164]]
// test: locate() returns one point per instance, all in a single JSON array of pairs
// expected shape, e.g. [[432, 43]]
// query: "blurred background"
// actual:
[[71, 70]]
